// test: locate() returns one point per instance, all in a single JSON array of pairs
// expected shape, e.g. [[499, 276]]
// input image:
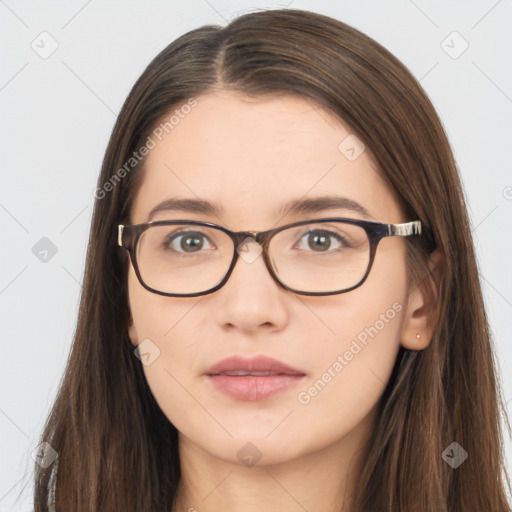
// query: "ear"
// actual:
[[132, 332], [421, 314]]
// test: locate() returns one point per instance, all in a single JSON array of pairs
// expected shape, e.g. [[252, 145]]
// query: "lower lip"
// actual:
[[253, 388]]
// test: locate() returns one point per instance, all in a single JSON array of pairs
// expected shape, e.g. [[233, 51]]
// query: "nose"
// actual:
[[251, 297]]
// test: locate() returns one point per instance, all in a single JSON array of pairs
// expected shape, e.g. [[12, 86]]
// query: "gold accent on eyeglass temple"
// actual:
[[120, 235], [405, 229]]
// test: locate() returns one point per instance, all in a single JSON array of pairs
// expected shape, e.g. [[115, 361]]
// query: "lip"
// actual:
[[252, 379]]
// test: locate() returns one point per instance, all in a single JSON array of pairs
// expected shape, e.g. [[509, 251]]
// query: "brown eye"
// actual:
[[186, 241]]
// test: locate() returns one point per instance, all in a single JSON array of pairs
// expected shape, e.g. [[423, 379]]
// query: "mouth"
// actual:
[[253, 379]]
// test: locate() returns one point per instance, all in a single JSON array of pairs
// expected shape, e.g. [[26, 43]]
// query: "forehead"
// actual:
[[252, 155]]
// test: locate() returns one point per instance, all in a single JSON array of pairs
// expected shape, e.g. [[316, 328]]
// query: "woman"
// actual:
[[281, 305]]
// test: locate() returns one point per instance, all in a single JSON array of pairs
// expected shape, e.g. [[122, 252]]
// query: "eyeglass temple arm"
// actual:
[[406, 229]]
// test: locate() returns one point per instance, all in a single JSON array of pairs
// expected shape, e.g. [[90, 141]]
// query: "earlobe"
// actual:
[[419, 343], [422, 311]]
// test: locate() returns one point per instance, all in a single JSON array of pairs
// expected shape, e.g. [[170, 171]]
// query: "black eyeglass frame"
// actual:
[[129, 236]]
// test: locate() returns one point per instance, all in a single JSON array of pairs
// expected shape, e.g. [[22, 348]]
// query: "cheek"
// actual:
[[167, 353], [352, 367], [155, 316]]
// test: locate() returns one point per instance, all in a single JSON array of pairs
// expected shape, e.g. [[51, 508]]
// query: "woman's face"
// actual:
[[252, 157]]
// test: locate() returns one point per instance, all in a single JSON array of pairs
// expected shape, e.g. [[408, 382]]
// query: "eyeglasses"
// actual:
[[186, 258]]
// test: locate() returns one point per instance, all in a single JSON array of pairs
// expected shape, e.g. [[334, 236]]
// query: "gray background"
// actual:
[[57, 112]]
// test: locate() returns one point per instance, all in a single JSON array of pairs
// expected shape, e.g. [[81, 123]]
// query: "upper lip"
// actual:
[[263, 365]]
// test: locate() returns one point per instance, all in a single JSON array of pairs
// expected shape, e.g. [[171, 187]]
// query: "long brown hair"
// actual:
[[117, 451]]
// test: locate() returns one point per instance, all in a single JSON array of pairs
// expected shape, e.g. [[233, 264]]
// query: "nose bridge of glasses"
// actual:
[[242, 238]]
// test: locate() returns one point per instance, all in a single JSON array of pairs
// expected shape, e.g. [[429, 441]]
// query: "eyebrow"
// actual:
[[294, 207]]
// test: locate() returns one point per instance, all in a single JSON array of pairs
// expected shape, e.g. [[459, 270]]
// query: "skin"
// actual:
[[252, 156]]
